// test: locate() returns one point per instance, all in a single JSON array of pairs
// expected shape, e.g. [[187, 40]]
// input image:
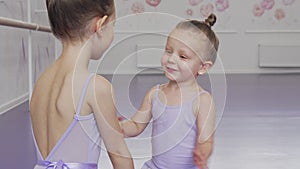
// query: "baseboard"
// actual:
[[13, 103]]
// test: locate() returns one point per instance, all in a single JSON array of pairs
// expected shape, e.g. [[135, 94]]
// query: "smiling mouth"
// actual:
[[169, 69]]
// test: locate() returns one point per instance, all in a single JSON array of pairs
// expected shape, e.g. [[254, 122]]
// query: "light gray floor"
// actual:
[[259, 127]]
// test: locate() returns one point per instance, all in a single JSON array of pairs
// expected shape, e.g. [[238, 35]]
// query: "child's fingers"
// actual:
[[199, 155], [120, 118], [199, 160], [201, 165]]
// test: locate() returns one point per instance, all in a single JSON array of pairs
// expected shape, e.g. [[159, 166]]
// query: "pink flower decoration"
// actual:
[[189, 12], [206, 10], [195, 2], [279, 14], [288, 2], [258, 10], [153, 3], [137, 7], [221, 5], [267, 4]]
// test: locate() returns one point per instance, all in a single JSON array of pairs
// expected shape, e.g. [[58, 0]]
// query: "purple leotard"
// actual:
[[174, 134], [79, 146]]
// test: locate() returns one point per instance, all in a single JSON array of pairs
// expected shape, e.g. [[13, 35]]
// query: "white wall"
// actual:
[[239, 31], [17, 45]]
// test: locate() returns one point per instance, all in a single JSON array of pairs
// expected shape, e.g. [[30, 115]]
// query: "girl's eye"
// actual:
[[169, 51], [183, 57]]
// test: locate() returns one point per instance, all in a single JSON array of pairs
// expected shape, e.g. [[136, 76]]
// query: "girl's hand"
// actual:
[[199, 160], [120, 118], [202, 153]]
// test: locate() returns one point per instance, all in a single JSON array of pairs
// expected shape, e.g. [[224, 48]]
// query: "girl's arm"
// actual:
[[139, 121], [206, 127], [106, 117]]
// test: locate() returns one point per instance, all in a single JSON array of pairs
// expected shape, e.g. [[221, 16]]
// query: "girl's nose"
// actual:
[[171, 58]]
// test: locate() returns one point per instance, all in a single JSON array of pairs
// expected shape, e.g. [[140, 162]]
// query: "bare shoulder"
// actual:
[[100, 90], [152, 91], [42, 85], [150, 94], [101, 98], [43, 78], [203, 103], [102, 85], [205, 98]]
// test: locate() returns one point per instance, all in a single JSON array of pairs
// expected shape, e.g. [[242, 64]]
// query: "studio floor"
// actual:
[[258, 124]]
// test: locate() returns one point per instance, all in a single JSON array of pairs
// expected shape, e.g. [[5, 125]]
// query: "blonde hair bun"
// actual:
[[211, 20]]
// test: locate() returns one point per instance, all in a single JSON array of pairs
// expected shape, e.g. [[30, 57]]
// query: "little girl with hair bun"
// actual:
[[182, 113]]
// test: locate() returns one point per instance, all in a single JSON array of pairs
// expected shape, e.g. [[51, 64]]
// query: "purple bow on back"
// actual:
[[54, 165], [62, 165]]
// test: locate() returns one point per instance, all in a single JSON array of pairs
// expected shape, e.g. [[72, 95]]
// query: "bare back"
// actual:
[[53, 105]]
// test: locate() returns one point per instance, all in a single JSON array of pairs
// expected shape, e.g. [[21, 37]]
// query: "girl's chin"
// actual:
[[169, 76]]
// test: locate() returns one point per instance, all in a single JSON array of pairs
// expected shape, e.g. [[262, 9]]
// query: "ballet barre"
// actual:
[[24, 25]]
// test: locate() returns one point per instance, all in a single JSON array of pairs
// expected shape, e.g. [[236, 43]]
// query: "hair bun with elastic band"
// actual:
[[211, 20]]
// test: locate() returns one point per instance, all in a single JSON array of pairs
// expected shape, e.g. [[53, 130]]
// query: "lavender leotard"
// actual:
[[79, 146], [174, 134]]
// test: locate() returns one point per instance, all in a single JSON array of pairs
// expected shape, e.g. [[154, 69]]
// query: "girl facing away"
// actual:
[[73, 111], [182, 112]]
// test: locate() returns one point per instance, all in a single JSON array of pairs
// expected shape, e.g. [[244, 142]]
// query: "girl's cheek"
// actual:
[[163, 59]]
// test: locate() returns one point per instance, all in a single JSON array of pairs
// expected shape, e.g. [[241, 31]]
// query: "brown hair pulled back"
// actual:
[[69, 19]]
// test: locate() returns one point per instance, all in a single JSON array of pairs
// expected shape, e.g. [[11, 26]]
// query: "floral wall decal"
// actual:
[[137, 7], [222, 5], [267, 4], [288, 2], [258, 10], [189, 12], [201, 9], [187, 9], [276, 14], [206, 9], [195, 2], [279, 14], [153, 3]]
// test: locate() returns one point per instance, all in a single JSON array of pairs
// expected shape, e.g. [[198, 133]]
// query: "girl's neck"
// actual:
[[183, 86], [75, 56], [176, 93]]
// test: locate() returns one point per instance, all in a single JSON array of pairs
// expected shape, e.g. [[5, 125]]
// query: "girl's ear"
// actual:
[[100, 23], [205, 67]]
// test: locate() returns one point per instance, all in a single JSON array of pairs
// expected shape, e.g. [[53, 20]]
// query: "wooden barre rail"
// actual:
[[24, 25]]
